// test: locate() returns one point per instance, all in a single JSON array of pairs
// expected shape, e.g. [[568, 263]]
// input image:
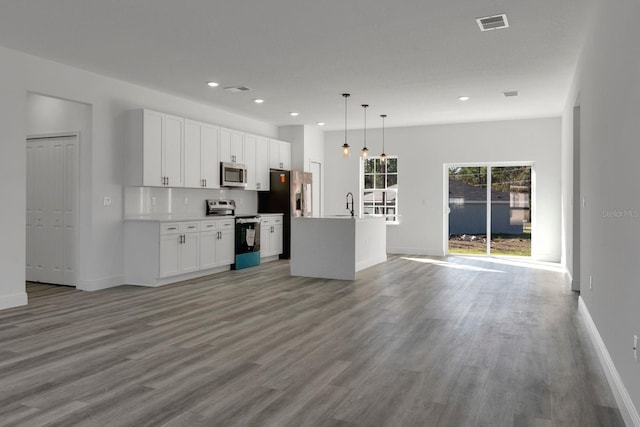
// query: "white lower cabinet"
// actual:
[[270, 236], [157, 253], [216, 244]]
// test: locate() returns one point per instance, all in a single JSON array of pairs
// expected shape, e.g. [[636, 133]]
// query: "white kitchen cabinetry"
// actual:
[[250, 160], [262, 164], [179, 248], [201, 164], [158, 253], [154, 149], [231, 146], [270, 236], [216, 243], [225, 249], [279, 154]]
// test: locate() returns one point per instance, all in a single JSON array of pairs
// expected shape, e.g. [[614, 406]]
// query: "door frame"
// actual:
[[445, 201], [76, 190]]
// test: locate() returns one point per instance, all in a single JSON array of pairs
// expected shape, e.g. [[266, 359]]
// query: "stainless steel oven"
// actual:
[[247, 244]]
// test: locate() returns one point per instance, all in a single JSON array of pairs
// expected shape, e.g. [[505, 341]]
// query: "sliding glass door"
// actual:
[[490, 209]]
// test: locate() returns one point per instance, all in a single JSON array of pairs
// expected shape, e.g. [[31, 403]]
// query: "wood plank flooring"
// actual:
[[412, 342]]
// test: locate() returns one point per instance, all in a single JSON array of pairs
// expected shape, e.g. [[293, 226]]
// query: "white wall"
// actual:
[[608, 83], [13, 179], [103, 176], [422, 151]]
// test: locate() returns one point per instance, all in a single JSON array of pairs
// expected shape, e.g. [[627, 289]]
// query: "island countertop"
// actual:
[[336, 247]]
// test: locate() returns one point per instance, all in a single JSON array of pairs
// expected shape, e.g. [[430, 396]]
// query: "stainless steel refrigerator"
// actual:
[[290, 193]]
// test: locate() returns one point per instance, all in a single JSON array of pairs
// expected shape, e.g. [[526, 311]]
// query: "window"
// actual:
[[379, 188]]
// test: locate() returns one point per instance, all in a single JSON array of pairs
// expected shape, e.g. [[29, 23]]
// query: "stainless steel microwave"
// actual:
[[233, 175]]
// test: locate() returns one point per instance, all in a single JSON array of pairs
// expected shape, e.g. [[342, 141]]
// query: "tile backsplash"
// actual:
[[183, 201]]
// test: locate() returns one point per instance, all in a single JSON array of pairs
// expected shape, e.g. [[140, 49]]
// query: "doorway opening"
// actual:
[[489, 211], [52, 209]]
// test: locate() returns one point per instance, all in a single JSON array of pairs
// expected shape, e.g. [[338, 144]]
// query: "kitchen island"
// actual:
[[336, 247]]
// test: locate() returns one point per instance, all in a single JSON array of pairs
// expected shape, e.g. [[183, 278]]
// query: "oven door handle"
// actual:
[[247, 220]]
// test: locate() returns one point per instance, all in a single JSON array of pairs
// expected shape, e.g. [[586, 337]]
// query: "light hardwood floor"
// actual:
[[409, 343]]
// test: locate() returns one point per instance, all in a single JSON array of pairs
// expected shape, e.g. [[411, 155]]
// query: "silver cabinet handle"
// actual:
[[172, 228]]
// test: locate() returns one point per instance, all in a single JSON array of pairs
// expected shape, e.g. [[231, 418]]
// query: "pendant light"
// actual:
[[346, 150], [383, 157], [365, 151]]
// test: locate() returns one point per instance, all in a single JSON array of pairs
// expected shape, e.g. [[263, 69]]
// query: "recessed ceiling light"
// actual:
[[258, 101], [293, 113], [213, 84], [463, 98], [511, 93], [321, 123]]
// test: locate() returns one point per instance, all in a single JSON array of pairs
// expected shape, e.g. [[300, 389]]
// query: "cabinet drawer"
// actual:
[[276, 220], [208, 225], [169, 228], [227, 224], [189, 227], [266, 220]]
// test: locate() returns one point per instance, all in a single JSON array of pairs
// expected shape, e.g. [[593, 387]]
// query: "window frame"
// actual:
[[385, 204]]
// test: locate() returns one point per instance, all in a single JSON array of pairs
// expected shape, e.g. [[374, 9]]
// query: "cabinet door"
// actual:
[[237, 147], [225, 145], [172, 128], [274, 154], [169, 255], [210, 165], [265, 237], [250, 161], [192, 154], [276, 239], [208, 249], [190, 252], [152, 172], [225, 247], [285, 155], [262, 164]]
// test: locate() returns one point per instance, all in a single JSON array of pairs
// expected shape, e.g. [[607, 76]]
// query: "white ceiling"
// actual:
[[410, 59]]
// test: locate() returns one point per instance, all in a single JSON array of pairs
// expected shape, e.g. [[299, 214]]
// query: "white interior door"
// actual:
[[52, 192]]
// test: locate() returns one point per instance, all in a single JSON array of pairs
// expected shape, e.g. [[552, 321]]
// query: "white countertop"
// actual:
[[167, 218], [171, 218]]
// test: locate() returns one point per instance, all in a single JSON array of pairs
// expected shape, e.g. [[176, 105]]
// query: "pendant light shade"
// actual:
[[365, 151], [383, 156], [346, 149]]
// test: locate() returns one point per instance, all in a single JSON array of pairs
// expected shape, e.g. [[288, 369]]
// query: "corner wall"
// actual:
[[608, 83], [422, 151]]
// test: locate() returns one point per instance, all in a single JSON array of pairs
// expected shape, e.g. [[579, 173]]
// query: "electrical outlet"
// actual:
[[584, 202], [590, 282], [635, 347], [153, 201], [106, 201], [186, 200]]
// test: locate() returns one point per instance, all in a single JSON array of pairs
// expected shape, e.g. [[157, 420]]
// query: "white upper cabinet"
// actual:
[[250, 160], [262, 164], [154, 149], [201, 165], [279, 154], [231, 146]]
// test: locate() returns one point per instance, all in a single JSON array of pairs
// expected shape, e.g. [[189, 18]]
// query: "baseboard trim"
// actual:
[[625, 404], [415, 251], [15, 300], [98, 284], [370, 262]]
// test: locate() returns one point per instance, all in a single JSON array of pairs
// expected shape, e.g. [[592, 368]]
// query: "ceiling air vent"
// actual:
[[236, 89], [511, 93], [494, 22]]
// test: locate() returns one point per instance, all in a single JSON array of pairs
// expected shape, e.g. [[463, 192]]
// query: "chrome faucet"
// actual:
[[350, 194]]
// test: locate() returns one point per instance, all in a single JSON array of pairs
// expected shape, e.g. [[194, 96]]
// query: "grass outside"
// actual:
[[501, 244]]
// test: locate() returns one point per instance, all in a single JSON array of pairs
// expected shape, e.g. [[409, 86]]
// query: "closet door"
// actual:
[[52, 188]]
